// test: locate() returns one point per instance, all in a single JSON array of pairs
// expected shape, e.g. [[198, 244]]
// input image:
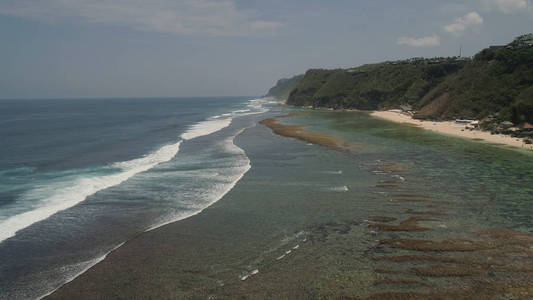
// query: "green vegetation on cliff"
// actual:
[[497, 84], [374, 86], [284, 86]]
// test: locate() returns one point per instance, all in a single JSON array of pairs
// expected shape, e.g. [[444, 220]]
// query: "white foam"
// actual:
[[380, 172], [206, 127], [68, 193], [244, 277], [221, 116], [220, 190], [219, 122], [339, 189], [241, 111], [399, 177], [130, 168], [217, 194], [339, 172], [82, 267], [295, 247], [287, 239], [257, 106]]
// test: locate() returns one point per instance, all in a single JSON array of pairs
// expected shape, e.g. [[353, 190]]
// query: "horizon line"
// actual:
[[124, 97]]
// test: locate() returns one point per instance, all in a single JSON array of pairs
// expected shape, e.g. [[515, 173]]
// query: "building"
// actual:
[[522, 41]]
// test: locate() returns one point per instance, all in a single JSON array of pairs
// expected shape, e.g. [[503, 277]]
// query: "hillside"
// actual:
[[497, 84], [376, 86], [283, 87]]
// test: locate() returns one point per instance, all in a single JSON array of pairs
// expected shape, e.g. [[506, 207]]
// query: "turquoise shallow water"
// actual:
[[480, 175], [299, 223]]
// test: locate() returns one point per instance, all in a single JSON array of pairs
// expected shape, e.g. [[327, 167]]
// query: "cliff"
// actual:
[[377, 86], [497, 84], [283, 87]]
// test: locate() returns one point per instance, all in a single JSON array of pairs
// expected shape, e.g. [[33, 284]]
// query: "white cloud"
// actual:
[[469, 21], [427, 41], [507, 6], [188, 17]]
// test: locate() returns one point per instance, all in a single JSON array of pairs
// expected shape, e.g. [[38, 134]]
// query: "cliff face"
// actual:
[[497, 83], [283, 87]]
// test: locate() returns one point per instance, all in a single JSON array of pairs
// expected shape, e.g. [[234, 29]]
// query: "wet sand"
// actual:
[[451, 128]]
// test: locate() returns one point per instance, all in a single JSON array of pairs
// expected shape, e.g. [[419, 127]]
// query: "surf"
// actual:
[[66, 193], [206, 127], [237, 166], [219, 122], [225, 182]]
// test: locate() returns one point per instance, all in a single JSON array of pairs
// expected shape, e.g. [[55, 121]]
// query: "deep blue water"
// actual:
[[67, 134], [80, 176]]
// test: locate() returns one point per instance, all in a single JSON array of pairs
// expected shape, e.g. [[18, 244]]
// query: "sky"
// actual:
[[194, 48]]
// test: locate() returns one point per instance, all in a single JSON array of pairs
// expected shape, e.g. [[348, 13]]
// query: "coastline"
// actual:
[[198, 257], [450, 128], [391, 216]]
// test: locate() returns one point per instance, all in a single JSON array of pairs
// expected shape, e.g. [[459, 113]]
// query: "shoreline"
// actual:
[[453, 129], [100, 259], [392, 222]]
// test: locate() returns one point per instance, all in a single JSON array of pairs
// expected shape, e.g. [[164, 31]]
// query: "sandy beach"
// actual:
[[451, 128]]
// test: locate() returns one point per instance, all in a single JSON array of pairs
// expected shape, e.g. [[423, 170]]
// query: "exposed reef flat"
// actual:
[[417, 256], [396, 230], [298, 132]]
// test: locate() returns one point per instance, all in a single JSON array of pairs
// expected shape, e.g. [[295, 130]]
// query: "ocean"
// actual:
[[79, 177], [396, 209]]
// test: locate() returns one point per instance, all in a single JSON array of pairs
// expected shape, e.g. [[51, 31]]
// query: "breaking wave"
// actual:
[[73, 189]]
